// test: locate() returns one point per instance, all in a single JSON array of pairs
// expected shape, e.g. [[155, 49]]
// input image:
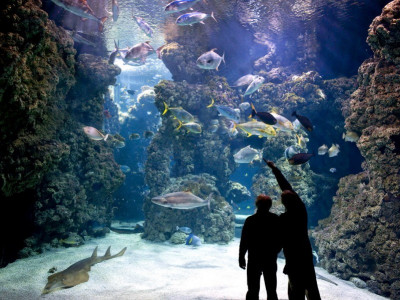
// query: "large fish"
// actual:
[[144, 26], [247, 155], [179, 113], [257, 128], [179, 5], [282, 123], [244, 80], [210, 60], [76, 273], [254, 85], [193, 18], [81, 9], [138, 53], [300, 158], [80, 39], [181, 200]]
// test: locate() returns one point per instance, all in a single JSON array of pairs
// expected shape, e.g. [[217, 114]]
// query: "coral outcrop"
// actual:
[[361, 237], [54, 179]]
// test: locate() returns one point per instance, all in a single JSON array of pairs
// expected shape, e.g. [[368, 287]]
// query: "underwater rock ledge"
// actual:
[[54, 180], [361, 237]]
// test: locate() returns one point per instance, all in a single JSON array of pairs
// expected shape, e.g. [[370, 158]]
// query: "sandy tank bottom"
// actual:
[[153, 271]]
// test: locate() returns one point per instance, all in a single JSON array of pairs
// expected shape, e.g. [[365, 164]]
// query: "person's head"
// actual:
[[288, 199], [263, 202]]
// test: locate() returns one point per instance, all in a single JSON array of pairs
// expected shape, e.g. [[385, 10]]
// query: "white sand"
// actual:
[[153, 271]]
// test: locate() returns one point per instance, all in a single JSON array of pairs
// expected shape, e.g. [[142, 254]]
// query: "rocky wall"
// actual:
[[361, 237], [53, 178]]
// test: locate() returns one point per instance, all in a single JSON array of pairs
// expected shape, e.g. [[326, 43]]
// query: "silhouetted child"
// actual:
[[296, 244], [261, 239]]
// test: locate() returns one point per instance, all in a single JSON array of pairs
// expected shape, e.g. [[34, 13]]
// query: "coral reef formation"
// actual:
[[54, 179], [361, 237]]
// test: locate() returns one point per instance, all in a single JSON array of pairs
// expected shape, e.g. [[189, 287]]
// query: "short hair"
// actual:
[[263, 202], [288, 198]]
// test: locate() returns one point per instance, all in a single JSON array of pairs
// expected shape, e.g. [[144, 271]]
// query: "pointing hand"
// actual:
[[269, 163]]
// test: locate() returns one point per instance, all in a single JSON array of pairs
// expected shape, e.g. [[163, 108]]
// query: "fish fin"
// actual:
[[180, 125], [260, 136], [202, 22], [343, 135], [294, 114], [190, 8], [223, 57], [217, 68], [209, 197], [105, 138], [249, 134], [94, 254], [108, 252], [212, 16], [165, 108], [211, 104]]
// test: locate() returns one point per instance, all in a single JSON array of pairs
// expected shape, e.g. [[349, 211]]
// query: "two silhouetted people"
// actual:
[[264, 234], [261, 239]]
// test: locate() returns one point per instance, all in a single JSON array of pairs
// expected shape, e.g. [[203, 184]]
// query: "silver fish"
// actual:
[[193, 18], [210, 60], [181, 200], [144, 26], [179, 5], [244, 80], [247, 155], [254, 85], [138, 53]]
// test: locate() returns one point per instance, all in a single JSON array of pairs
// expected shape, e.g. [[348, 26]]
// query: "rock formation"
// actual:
[[53, 178], [361, 237]]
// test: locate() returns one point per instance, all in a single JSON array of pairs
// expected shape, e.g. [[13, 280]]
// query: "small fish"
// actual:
[[73, 240], [193, 240], [254, 85], [119, 144], [148, 134], [248, 207], [186, 230], [304, 121], [80, 39], [315, 254], [106, 114], [333, 150], [179, 5], [257, 128], [332, 170], [179, 113], [244, 106], [247, 155], [350, 136], [214, 128], [244, 80], [300, 158], [302, 141], [193, 18], [210, 60], [134, 136], [131, 92], [115, 10], [143, 26], [323, 150], [125, 169], [94, 134], [214, 122], [226, 111], [265, 117]]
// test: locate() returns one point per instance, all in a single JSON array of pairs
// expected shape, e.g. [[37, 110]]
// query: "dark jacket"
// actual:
[[296, 244], [260, 238]]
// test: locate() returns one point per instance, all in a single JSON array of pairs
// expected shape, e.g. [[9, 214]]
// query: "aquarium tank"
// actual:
[[146, 126]]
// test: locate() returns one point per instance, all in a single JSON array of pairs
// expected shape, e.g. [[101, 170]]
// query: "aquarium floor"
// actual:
[[152, 271]]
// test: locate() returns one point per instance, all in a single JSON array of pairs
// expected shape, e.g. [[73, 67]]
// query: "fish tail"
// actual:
[[180, 125], [223, 57], [116, 45], [294, 114], [253, 110], [106, 137], [209, 201], [211, 104], [165, 108], [212, 16], [177, 227]]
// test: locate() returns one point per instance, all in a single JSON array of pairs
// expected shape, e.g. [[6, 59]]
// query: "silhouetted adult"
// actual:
[[261, 239], [296, 244]]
